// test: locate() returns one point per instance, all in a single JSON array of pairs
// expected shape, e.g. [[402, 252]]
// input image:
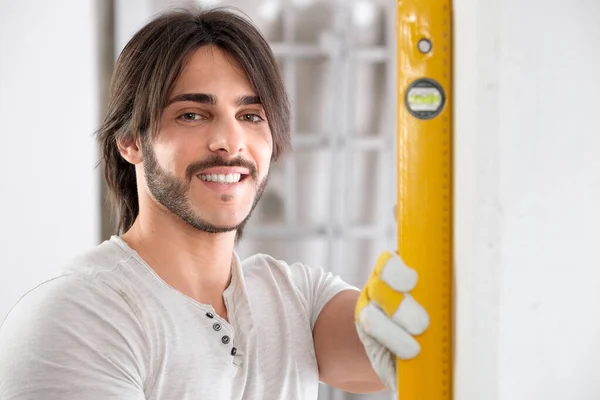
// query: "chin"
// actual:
[[226, 222], [221, 217]]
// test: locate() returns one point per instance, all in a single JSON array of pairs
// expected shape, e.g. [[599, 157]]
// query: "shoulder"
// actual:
[[72, 329], [76, 307], [68, 298], [107, 257], [305, 277], [264, 263], [83, 289], [312, 284], [268, 268]]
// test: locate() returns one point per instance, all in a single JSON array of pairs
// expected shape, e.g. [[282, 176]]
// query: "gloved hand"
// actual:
[[387, 316]]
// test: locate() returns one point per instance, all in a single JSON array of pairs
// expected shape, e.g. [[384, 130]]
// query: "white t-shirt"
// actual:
[[109, 328]]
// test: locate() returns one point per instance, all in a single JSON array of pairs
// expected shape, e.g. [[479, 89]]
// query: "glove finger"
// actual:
[[382, 360], [411, 316], [379, 326], [398, 276]]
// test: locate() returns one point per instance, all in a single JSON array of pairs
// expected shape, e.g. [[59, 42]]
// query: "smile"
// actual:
[[221, 178]]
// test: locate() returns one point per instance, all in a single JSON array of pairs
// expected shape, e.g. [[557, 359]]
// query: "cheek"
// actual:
[[175, 159], [178, 149]]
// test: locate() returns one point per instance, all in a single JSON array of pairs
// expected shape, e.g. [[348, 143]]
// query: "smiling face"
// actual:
[[210, 161]]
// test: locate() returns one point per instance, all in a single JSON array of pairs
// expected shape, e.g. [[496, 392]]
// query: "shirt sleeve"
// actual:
[[317, 286], [71, 338]]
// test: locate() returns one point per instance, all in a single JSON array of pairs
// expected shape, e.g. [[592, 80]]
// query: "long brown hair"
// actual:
[[149, 66]]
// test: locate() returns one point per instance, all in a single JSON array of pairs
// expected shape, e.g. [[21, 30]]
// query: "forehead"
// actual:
[[210, 69]]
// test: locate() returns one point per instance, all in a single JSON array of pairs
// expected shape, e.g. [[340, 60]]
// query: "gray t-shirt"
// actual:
[[109, 328]]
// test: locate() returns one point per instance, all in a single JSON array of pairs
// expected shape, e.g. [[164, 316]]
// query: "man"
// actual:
[[166, 310]]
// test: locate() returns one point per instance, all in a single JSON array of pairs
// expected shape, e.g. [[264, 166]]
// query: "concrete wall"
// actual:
[[528, 190]]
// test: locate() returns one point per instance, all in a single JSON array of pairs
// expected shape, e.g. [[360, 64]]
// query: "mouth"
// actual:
[[231, 178]]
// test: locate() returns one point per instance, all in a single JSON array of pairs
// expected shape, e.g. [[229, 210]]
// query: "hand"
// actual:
[[387, 316]]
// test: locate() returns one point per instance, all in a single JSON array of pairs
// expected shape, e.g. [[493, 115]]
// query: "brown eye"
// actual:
[[251, 118], [190, 117]]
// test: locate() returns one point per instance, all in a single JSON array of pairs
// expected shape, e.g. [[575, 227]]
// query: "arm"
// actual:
[[330, 304], [70, 339], [359, 336], [343, 362]]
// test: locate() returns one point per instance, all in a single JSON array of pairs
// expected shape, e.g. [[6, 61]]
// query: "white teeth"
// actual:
[[221, 178]]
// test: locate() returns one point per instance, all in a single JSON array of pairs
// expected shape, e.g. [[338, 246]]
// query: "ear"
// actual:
[[130, 149]]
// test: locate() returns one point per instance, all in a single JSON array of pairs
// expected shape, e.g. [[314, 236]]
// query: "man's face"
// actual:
[[210, 161]]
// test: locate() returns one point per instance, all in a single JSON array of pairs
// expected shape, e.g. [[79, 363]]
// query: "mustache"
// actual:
[[216, 161]]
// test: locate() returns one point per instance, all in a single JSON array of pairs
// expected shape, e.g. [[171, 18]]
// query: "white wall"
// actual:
[[49, 195], [528, 190]]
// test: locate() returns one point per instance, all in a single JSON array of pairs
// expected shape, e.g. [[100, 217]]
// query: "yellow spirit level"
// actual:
[[424, 209]]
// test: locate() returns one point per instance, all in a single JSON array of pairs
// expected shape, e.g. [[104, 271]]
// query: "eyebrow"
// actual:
[[211, 99], [248, 100], [202, 98]]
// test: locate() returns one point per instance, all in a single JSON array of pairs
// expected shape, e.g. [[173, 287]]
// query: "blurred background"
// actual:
[[527, 171]]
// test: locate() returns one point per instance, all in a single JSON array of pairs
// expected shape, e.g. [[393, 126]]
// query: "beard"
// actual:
[[172, 193]]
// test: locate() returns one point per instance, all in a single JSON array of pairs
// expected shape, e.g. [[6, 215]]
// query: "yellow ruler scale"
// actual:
[[424, 209]]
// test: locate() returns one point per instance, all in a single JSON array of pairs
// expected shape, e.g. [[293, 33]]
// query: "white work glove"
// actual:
[[387, 317]]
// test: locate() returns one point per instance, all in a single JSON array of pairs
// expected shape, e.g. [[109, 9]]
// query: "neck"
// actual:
[[196, 263]]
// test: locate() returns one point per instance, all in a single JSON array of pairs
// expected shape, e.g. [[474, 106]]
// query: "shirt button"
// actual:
[[217, 326], [225, 339], [233, 351], [210, 315]]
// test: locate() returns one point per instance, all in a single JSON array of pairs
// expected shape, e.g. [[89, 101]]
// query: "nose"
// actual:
[[227, 137]]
